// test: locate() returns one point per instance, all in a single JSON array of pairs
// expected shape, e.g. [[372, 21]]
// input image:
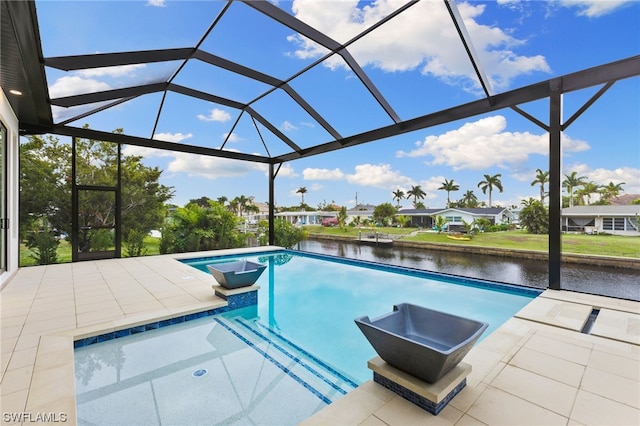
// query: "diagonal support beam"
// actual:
[[468, 46], [108, 95], [100, 60]]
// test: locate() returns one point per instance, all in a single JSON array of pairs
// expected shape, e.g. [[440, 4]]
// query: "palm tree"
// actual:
[[542, 178], [398, 195], [449, 185], [571, 182], [222, 200], [469, 199], [417, 193], [302, 190], [611, 190], [489, 183], [587, 189], [240, 203]]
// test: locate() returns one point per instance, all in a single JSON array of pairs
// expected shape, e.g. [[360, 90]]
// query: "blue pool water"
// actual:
[[313, 302], [275, 363]]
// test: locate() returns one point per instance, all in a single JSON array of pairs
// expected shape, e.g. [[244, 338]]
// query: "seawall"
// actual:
[[587, 259]]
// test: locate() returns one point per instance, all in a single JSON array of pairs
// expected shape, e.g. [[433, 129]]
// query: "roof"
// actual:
[[624, 199], [597, 210], [489, 211], [187, 67]]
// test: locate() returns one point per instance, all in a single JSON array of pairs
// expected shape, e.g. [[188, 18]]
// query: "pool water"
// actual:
[[299, 344]]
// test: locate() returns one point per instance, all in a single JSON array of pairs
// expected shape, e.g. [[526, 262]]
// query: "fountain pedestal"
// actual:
[[432, 397]]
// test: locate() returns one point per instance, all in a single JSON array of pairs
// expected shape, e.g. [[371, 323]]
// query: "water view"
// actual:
[[622, 283]]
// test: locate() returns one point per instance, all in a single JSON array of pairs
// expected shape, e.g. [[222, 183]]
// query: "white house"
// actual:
[[305, 218], [455, 216], [616, 220]]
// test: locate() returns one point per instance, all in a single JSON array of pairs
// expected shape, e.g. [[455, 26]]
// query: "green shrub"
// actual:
[[44, 246]]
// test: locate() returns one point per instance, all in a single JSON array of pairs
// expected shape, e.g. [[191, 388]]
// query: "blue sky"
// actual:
[[416, 62]]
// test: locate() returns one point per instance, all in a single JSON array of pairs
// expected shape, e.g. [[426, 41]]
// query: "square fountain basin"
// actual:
[[237, 274], [419, 341]]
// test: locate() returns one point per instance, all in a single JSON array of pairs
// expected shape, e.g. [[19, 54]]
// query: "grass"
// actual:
[[604, 245], [151, 245]]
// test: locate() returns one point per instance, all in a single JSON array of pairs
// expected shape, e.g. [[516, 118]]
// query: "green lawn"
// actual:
[[606, 245], [151, 244]]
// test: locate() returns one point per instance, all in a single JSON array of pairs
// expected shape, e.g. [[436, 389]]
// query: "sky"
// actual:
[[417, 63]]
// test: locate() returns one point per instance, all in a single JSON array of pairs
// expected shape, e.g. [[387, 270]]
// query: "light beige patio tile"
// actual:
[[615, 364], [559, 349], [9, 332], [548, 366], [97, 306], [136, 308], [23, 358], [482, 363], [94, 317], [557, 313], [399, 412], [555, 396], [467, 420], [617, 388], [467, 396], [352, 409], [618, 325], [496, 407], [49, 326], [14, 402], [26, 341], [372, 421], [595, 410], [16, 380]]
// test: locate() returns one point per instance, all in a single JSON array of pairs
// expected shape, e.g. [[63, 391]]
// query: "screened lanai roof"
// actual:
[[259, 68]]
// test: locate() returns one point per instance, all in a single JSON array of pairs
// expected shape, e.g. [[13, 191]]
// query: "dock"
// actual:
[[374, 238]]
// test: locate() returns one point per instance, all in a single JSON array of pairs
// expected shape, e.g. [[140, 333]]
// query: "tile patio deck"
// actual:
[[535, 369]]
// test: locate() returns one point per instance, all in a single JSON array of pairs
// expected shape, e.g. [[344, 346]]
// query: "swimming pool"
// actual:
[[299, 344]]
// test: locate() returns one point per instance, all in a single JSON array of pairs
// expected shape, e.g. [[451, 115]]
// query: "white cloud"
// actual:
[[212, 167], [287, 126], [374, 175], [483, 144], [157, 3], [422, 37], [215, 115], [286, 171], [594, 8], [117, 71], [172, 137], [73, 85], [322, 174], [233, 137], [629, 175]]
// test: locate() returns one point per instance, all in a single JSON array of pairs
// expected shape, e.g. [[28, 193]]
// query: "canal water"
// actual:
[[616, 282]]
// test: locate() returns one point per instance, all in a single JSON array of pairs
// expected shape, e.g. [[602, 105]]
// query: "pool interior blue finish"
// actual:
[[299, 344]]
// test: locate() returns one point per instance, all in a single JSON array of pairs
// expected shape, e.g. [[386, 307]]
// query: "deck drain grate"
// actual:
[[588, 325], [199, 373]]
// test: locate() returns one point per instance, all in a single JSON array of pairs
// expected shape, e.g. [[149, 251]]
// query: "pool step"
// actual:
[[315, 375]]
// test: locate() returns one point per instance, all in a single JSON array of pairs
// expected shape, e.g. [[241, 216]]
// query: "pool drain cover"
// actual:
[[199, 373]]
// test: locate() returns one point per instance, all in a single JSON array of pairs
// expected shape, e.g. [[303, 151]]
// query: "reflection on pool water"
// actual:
[[275, 363]]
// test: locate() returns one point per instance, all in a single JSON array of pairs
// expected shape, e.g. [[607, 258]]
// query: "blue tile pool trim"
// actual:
[[420, 401], [146, 327], [286, 370], [301, 362], [449, 278], [328, 367]]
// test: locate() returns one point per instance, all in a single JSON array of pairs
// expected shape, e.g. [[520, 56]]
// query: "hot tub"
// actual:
[[237, 274], [422, 342]]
